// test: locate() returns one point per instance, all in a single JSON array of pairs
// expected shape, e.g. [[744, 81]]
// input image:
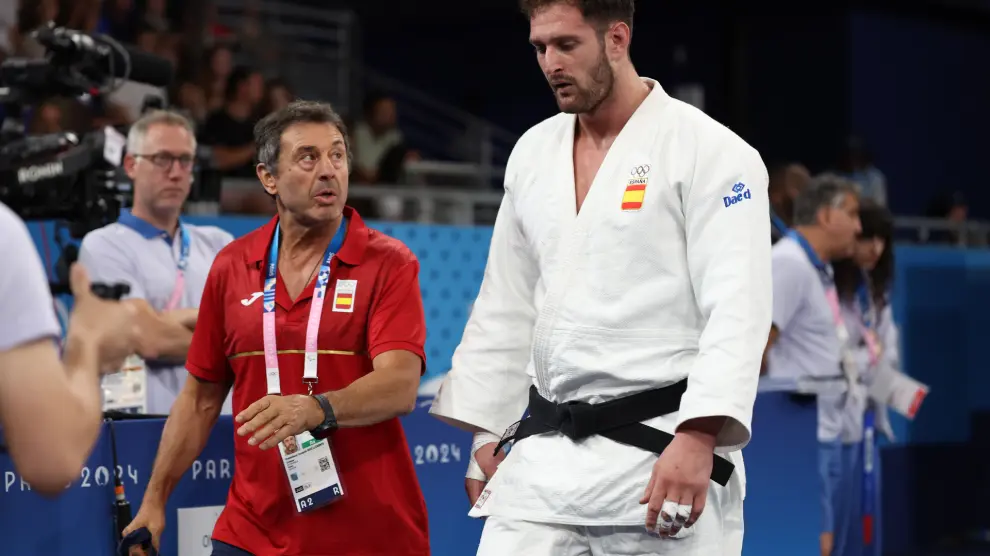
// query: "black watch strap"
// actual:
[[329, 423]]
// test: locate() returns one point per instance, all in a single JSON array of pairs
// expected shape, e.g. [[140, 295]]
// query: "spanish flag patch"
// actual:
[[632, 198], [343, 296]]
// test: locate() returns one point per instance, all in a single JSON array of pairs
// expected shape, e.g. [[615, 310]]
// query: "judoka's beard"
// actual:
[[588, 98]]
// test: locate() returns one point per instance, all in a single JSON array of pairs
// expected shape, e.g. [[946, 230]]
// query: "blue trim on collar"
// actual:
[[143, 227], [778, 223], [823, 268]]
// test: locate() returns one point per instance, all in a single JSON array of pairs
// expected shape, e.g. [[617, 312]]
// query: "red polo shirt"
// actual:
[[383, 512]]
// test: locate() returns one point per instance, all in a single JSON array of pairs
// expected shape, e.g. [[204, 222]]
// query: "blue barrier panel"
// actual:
[[782, 512], [782, 482], [80, 520]]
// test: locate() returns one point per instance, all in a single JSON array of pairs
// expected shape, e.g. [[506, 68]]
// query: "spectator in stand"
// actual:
[[155, 16], [47, 118], [214, 77], [190, 99], [278, 95], [130, 96], [955, 209], [121, 19], [31, 15], [374, 137], [857, 166], [84, 15], [230, 130], [787, 181]]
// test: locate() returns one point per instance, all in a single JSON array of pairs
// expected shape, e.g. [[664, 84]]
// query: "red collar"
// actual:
[[351, 253]]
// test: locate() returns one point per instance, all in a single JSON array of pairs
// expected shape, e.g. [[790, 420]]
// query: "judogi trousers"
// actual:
[[710, 536]]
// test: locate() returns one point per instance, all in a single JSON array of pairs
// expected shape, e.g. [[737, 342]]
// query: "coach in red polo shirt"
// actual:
[[317, 322]]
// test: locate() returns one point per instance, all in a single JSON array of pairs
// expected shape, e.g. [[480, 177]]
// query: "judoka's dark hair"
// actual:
[[602, 12], [877, 222], [825, 190], [268, 132]]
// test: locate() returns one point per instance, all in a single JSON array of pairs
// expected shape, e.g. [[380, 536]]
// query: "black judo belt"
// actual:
[[618, 420]]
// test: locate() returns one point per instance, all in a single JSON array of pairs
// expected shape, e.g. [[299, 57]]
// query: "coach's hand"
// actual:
[[678, 487], [151, 516], [272, 419]]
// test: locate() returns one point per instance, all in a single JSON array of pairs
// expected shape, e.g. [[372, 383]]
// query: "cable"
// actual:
[[121, 507]]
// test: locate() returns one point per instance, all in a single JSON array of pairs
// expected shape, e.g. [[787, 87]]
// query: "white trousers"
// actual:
[[709, 537]]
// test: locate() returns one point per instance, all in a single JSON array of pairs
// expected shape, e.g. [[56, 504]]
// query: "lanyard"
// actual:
[[180, 273], [869, 475], [778, 224], [315, 312], [868, 321], [848, 365], [830, 292]]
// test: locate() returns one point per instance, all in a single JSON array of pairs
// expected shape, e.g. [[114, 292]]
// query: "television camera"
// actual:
[[73, 180]]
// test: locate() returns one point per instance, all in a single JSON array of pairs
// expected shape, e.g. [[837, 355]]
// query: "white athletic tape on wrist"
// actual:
[[482, 438], [474, 471]]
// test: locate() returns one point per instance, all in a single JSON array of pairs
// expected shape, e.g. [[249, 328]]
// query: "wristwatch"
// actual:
[[329, 423]]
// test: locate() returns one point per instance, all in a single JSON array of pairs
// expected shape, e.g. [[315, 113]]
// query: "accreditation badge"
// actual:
[[311, 470], [127, 389]]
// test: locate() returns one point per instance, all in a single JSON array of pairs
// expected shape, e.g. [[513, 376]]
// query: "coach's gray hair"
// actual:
[[824, 190], [268, 132], [139, 129]]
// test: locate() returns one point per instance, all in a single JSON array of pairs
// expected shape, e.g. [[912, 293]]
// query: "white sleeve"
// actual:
[[889, 338], [27, 311], [728, 255], [486, 388]]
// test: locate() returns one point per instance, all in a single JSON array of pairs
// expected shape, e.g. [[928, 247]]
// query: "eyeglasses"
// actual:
[[165, 160]]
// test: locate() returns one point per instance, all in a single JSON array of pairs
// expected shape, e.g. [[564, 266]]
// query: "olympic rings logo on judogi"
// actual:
[[640, 171]]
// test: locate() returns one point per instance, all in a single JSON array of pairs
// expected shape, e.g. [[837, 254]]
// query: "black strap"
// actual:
[[618, 420]]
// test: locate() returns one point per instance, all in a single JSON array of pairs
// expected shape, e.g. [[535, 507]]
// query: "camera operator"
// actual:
[[163, 259], [50, 410]]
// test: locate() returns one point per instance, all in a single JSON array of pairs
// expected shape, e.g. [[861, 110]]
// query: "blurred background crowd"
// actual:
[[436, 105]]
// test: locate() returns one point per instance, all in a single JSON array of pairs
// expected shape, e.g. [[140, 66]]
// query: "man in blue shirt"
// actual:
[[805, 351], [163, 259]]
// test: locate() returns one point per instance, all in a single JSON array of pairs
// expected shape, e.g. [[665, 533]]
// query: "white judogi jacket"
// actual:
[[632, 293]]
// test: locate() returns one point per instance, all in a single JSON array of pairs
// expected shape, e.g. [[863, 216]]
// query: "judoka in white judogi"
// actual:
[[660, 273], [640, 289]]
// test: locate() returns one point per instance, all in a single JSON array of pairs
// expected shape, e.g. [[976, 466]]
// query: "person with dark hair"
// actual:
[[346, 376], [375, 136], [863, 283], [628, 285], [229, 130], [787, 181]]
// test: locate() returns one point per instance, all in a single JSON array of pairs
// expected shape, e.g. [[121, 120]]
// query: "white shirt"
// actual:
[[807, 343], [27, 312]]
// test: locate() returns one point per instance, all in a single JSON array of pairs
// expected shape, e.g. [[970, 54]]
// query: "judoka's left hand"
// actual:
[[680, 476], [272, 419]]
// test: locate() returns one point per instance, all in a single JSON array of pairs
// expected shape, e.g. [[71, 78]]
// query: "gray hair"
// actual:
[[268, 132], [824, 191], [139, 129]]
